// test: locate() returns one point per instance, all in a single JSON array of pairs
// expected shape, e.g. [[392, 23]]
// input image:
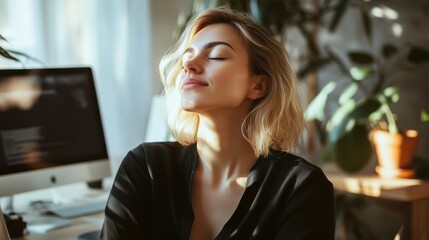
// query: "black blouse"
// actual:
[[286, 197]]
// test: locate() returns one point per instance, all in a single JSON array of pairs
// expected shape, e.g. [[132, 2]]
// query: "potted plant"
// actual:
[[364, 106], [394, 152]]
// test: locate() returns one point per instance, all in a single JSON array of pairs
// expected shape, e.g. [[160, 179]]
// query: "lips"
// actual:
[[193, 83]]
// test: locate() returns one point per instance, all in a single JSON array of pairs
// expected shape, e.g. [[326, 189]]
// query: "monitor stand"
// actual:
[[7, 204], [96, 185]]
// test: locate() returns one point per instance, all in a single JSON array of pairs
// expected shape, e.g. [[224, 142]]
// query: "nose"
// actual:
[[192, 66]]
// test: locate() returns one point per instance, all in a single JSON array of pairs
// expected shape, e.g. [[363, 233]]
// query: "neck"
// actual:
[[223, 151]]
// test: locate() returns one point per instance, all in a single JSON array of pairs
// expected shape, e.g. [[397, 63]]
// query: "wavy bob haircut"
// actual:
[[275, 120]]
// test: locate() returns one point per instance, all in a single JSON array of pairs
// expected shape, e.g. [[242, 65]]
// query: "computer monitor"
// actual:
[[51, 131]]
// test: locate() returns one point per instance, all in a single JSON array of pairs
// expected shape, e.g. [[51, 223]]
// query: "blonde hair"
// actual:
[[275, 120]]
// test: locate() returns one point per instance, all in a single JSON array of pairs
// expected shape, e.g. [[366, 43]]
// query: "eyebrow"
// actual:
[[210, 45]]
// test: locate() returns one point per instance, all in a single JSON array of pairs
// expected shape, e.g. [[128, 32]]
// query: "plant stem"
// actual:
[[390, 119]]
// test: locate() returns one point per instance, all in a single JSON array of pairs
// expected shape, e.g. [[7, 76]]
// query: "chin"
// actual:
[[189, 106], [193, 108], [187, 109], [190, 103]]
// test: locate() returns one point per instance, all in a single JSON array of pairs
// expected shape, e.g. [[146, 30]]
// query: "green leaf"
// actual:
[[424, 116], [26, 56], [361, 58], [6, 54], [348, 115], [359, 73], [353, 150], [316, 109], [376, 116], [388, 50], [338, 14], [340, 113], [391, 94], [384, 107], [348, 93], [418, 55]]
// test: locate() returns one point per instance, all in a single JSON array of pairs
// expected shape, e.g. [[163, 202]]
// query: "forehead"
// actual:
[[219, 32]]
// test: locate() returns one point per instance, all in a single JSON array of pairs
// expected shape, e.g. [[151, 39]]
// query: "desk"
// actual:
[[74, 193], [78, 226], [412, 191]]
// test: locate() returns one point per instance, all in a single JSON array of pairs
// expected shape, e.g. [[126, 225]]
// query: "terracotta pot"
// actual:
[[394, 152]]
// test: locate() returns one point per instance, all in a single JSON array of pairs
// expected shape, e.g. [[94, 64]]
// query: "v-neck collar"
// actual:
[[252, 185]]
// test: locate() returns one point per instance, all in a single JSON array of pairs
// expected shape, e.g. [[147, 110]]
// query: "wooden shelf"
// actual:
[[414, 192], [374, 186]]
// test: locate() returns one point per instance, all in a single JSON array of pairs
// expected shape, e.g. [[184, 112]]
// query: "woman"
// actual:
[[235, 113]]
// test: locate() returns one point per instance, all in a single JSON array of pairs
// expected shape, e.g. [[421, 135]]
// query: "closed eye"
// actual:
[[217, 58]]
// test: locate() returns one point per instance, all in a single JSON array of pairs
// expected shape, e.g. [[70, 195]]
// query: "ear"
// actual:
[[258, 87]]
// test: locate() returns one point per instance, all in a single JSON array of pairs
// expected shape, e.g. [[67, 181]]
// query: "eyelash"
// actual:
[[213, 58], [217, 58]]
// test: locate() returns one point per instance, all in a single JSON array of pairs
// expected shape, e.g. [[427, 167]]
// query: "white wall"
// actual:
[[164, 18]]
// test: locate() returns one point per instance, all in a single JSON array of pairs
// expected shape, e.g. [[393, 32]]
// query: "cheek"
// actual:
[[178, 80], [232, 94], [235, 81], [230, 71]]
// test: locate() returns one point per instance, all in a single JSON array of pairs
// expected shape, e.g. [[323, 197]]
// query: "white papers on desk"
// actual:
[[46, 224]]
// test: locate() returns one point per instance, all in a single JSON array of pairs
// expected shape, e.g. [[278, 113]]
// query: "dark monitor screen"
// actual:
[[48, 118]]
